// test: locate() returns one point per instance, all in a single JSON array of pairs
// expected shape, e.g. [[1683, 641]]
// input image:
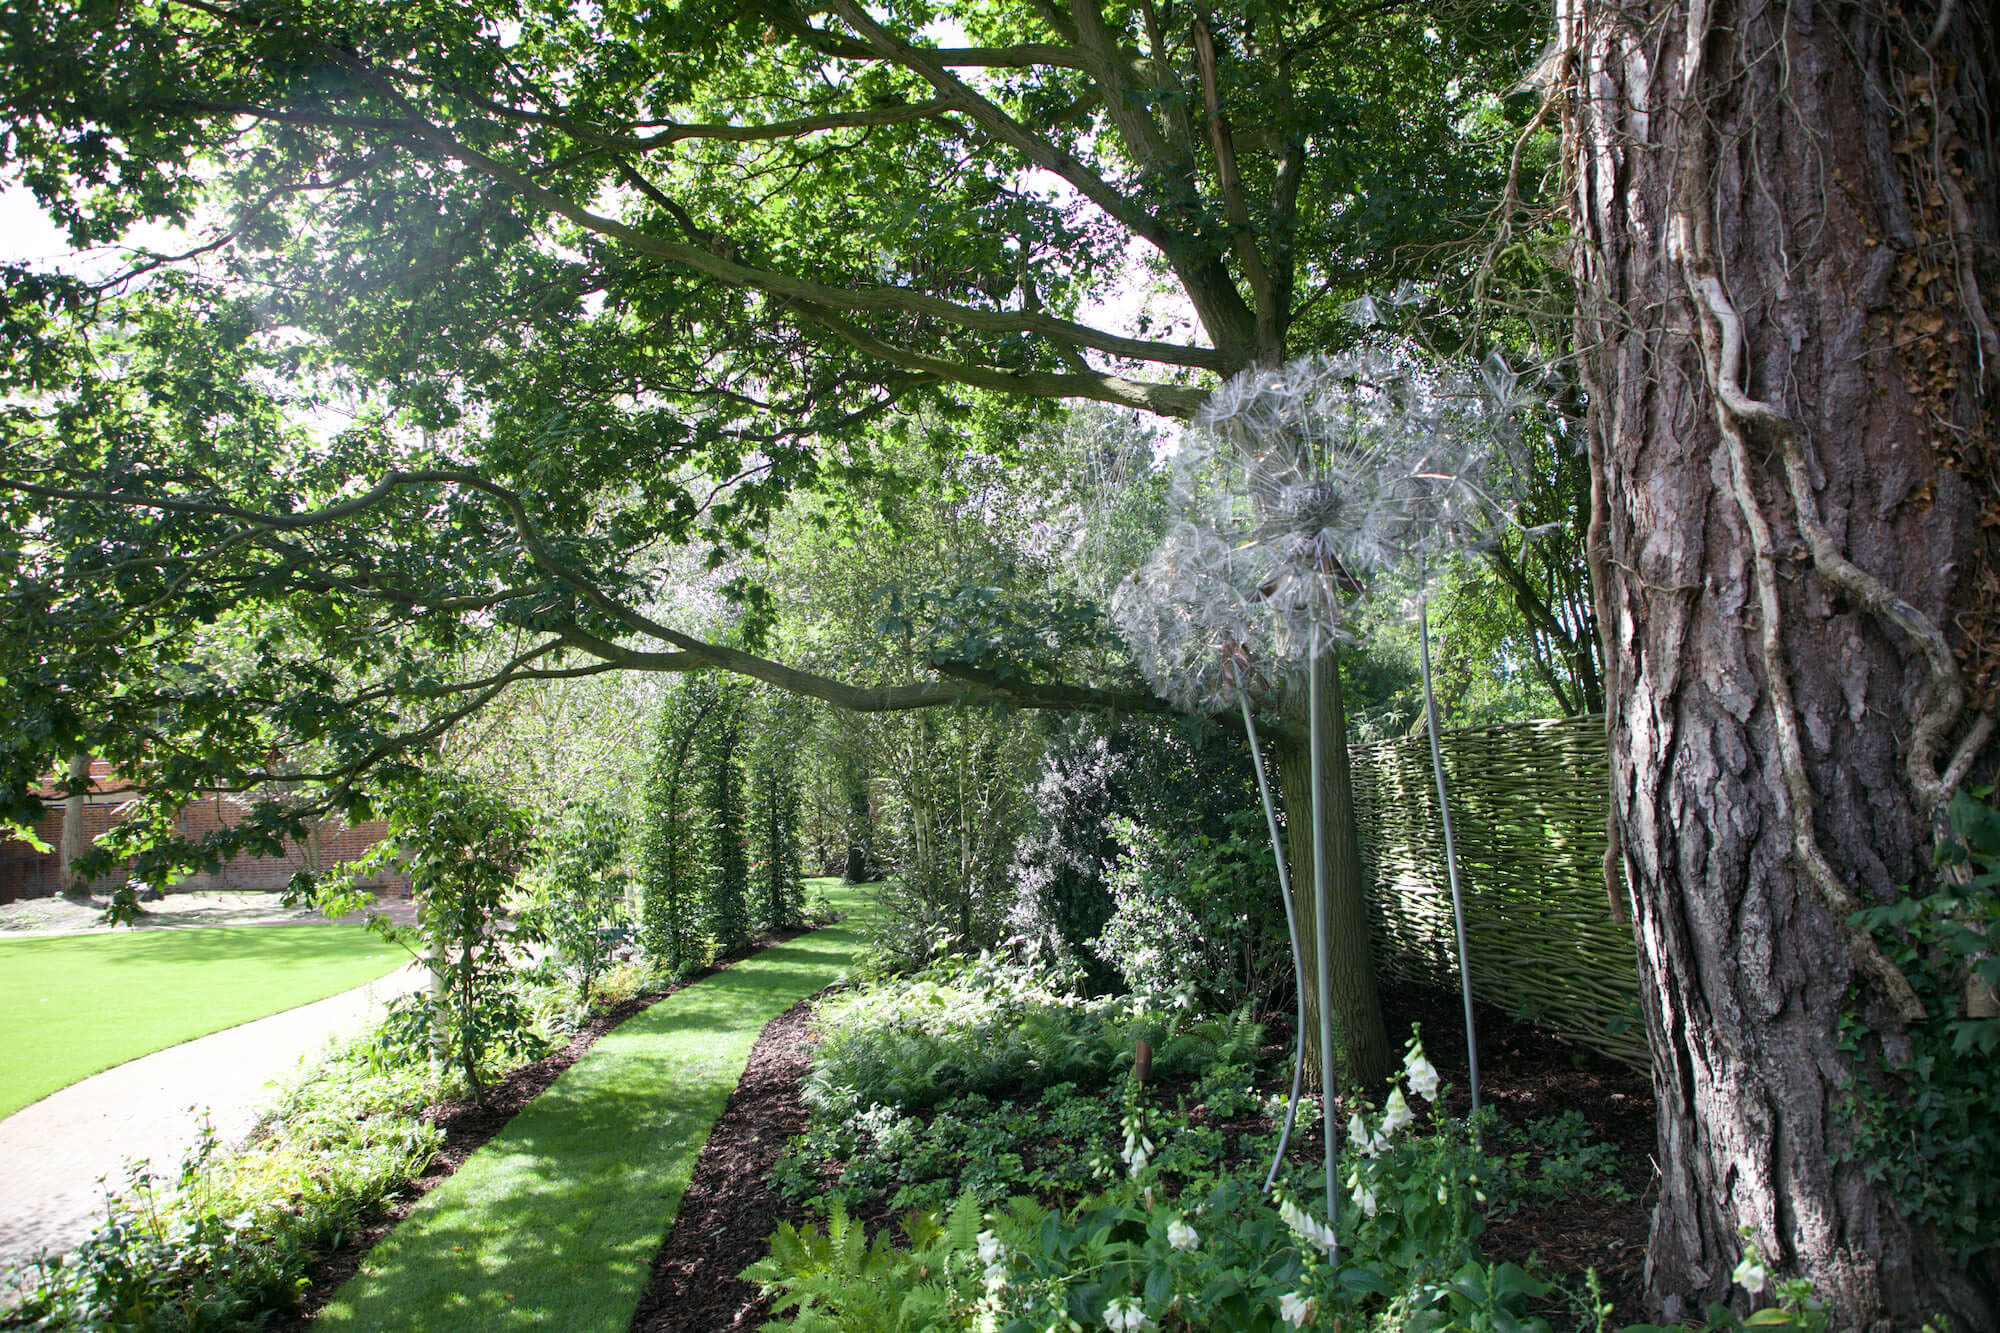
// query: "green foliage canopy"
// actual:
[[488, 304]]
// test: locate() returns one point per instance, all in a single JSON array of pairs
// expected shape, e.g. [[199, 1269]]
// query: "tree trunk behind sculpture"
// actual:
[[1357, 1009]]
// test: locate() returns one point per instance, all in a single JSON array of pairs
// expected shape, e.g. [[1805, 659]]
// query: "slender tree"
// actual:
[[670, 851], [783, 885], [726, 903]]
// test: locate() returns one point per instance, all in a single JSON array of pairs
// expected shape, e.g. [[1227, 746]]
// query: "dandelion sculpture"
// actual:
[[1300, 488]]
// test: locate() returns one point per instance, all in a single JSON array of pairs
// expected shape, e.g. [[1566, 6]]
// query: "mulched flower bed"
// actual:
[[468, 1125], [1525, 1074], [730, 1208]]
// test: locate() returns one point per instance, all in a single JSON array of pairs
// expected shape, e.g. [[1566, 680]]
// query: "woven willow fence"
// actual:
[[1527, 808]]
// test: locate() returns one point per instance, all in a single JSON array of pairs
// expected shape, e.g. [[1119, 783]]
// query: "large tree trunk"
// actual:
[[1781, 235], [1357, 1010]]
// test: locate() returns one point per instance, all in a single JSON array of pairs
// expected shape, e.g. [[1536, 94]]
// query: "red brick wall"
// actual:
[[26, 873]]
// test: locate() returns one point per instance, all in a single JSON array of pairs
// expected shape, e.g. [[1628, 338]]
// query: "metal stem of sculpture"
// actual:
[[1291, 930], [1324, 983], [1450, 853]]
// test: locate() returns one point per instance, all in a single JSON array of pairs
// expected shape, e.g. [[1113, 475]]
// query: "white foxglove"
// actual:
[[1396, 1114]]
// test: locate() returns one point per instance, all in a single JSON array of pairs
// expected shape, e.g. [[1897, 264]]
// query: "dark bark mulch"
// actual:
[[730, 1208], [468, 1125], [1526, 1074]]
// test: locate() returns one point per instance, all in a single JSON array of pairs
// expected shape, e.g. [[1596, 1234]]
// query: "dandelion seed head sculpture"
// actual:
[[1189, 619], [1300, 487]]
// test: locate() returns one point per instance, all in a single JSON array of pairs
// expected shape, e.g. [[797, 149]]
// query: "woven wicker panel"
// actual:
[[1528, 804]]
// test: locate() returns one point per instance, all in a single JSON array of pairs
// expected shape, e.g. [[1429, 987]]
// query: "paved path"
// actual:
[[53, 1153]]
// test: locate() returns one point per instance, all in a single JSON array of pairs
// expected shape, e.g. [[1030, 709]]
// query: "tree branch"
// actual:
[[1162, 399]]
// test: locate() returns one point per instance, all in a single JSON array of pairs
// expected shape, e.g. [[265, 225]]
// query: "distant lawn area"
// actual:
[[73, 1005]]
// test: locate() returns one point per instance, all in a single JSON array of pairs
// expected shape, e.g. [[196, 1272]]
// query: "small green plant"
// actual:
[[1556, 1158], [836, 1279], [1923, 1122]]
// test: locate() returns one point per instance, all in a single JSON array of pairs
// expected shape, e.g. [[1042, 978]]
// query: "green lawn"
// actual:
[[72, 1005], [553, 1224]]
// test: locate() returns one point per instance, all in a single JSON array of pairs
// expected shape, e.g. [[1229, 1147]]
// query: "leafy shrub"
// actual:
[[987, 1025], [461, 844], [1201, 909], [1067, 850], [970, 1146], [226, 1243], [577, 891], [1174, 781], [987, 1077]]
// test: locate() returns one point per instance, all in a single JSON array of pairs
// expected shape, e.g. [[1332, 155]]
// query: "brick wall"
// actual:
[[26, 873]]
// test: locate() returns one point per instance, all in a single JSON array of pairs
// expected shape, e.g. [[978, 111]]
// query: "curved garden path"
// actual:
[[54, 1153]]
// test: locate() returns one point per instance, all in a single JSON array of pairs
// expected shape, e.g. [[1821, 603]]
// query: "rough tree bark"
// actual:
[[1785, 246]]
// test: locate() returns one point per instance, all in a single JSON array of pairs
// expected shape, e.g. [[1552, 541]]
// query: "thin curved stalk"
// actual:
[[1292, 931], [1450, 855], [1324, 982]]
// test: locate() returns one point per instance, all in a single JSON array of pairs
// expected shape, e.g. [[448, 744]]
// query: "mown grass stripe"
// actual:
[[553, 1224]]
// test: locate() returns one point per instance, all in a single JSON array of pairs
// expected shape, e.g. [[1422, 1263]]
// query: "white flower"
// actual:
[[1124, 1316], [994, 1255], [1368, 1144], [1312, 1232], [1365, 1200], [1396, 1113], [1751, 1275], [1138, 1151], [1423, 1075], [1296, 1309], [1182, 1237]]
